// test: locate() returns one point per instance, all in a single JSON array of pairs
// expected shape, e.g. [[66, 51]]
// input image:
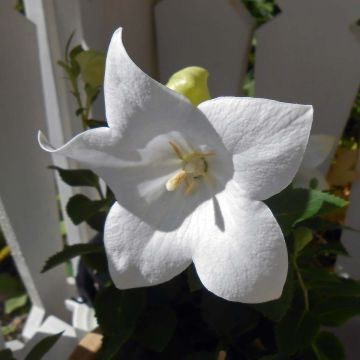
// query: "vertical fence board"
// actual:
[[58, 113], [309, 55], [213, 34], [28, 213], [101, 18]]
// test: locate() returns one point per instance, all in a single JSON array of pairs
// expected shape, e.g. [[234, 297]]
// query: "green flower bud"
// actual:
[[192, 83]]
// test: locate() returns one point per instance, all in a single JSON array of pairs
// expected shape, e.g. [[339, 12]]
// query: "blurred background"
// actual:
[[300, 51]]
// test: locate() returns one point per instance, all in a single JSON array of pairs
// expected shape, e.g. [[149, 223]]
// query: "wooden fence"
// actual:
[[309, 53]]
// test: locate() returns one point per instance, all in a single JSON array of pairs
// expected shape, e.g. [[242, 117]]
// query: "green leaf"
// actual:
[[80, 208], [296, 331], [111, 346], [80, 177], [276, 310], [302, 237], [156, 328], [337, 310], [276, 357], [15, 303], [92, 123], [227, 318], [330, 284], [92, 67], [6, 355], [10, 285], [43, 347], [328, 347], [118, 311], [70, 252], [293, 206], [201, 355], [75, 51]]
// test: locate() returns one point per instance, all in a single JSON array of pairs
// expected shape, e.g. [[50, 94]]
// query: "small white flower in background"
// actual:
[[317, 151], [189, 182]]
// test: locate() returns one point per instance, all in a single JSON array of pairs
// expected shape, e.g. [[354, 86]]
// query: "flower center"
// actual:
[[194, 167]]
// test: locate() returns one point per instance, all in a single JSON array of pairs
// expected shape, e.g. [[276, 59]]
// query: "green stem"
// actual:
[[301, 283]]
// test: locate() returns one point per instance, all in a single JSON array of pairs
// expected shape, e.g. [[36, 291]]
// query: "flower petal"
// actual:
[[137, 171], [132, 95], [245, 258], [318, 149], [267, 139], [141, 255]]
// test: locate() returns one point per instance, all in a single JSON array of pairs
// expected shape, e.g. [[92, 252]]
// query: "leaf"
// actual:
[[111, 346], [337, 310], [279, 356], [328, 347], [276, 310], [10, 285], [43, 347], [92, 123], [156, 328], [201, 355], [302, 237], [296, 331], [70, 252], [15, 303], [330, 284], [80, 208], [227, 318], [118, 311], [293, 206], [79, 177], [6, 355], [92, 67]]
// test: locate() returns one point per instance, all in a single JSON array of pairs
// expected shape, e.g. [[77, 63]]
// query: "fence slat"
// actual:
[[28, 212], [101, 18], [212, 34], [309, 55], [59, 116]]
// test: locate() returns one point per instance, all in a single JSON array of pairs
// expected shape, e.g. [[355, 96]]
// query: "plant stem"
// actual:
[[301, 283]]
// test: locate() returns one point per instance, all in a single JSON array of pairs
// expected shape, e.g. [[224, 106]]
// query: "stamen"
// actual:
[[175, 181], [194, 168], [176, 150]]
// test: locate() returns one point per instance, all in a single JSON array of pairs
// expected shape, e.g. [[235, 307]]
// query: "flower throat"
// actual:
[[194, 167]]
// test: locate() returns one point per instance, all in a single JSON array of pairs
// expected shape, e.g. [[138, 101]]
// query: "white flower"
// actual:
[[317, 151], [189, 182]]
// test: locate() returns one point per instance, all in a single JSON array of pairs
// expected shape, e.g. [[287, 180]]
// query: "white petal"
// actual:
[[242, 256], [305, 175], [96, 147], [267, 139], [137, 171], [141, 255], [131, 95], [318, 149]]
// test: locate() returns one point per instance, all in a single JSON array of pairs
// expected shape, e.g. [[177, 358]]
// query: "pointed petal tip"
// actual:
[[44, 143]]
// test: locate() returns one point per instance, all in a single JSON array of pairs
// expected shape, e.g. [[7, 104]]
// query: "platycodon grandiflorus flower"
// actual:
[[189, 182]]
